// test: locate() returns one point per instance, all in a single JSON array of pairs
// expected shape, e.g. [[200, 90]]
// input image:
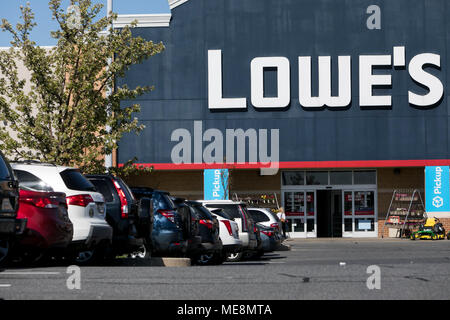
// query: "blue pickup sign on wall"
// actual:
[[215, 184], [437, 190]]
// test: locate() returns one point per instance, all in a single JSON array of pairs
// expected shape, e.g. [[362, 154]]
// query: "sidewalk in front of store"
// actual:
[[294, 240]]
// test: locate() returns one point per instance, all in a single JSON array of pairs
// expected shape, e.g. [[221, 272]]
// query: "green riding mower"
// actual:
[[432, 229]]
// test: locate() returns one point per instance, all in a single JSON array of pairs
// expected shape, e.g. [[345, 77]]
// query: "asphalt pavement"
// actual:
[[312, 269]]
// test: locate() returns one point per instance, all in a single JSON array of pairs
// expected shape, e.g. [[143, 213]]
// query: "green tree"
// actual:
[[66, 118]]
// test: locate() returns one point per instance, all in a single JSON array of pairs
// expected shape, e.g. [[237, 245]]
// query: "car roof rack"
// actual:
[[142, 189], [34, 162]]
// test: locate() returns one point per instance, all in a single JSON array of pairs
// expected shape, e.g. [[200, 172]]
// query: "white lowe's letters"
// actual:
[[436, 89], [283, 82], [215, 100], [367, 81], [325, 99]]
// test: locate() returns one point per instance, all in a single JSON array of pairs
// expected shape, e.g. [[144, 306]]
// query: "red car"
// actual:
[[48, 228]]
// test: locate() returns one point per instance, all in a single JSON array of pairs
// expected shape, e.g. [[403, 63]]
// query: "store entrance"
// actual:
[[329, 213]]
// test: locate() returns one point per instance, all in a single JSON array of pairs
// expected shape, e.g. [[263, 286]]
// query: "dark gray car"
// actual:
[[10, 226]]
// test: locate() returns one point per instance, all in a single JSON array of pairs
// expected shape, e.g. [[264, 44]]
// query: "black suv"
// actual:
[[209, 249], [172, 227], [10, 226], [131, 220]]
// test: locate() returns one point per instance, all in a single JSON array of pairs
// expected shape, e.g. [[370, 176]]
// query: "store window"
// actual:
[[364, 224], [310, 209], [364, 203], [341, 177], [348, 203], [317, 177], [365, 177], [348, 224], [293, 178]]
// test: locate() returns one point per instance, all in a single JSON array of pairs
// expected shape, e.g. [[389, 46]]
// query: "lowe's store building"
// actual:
[[332, 109]]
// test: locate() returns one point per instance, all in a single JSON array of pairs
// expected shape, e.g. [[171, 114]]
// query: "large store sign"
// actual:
[[367, 81], [437, 190], [215, 184]]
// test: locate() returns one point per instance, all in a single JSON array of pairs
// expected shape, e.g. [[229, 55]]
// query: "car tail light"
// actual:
[[38, 199], [169, 214], [207, 223], [267, 233], [123, 201], [81, 200], [255, 230], [274, 225], [228, 225]]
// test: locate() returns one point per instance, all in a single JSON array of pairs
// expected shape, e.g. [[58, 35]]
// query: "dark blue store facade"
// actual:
[[348, 98]]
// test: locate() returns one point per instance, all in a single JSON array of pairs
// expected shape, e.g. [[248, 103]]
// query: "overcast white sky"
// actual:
[[10, 10]]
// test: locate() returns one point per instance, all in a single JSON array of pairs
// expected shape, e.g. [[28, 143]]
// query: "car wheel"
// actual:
[[234, 257], [203, 259], [218, 258], [4, 251], [142, 253], [31, 257], [259, 254], [85, 257]]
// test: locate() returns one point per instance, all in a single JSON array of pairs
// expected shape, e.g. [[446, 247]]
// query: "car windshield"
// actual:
[[31, 182], [258, 216], [273, 214], [202, 212], [221, 213], [102, 187], [5, 172], [74, 180], [162, 201], [231, 210]]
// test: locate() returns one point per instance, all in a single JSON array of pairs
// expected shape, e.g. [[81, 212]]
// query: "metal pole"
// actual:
[[108, 157]]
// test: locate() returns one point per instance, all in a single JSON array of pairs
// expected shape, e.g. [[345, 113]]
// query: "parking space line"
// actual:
[[5, 285], [36, 273]]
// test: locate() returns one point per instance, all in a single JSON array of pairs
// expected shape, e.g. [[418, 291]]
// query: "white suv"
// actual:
[[228, 231], [86, 207], [238, 212]]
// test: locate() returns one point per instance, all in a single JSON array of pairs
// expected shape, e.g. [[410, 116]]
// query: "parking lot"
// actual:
[[312, 269]]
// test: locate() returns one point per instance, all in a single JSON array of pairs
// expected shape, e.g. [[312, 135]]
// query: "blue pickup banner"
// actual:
[[437, 190], [215, 184]]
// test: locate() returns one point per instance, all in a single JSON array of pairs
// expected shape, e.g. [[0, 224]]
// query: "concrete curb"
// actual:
[[170, 262]]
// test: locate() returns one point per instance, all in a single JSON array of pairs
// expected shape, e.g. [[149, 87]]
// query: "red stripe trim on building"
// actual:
[[301, 164]]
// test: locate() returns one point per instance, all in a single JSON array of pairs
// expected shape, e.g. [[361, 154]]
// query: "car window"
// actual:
[[274, 215], [5, 171], [223, 214], [258, 216], [139, 193], [74, 180], [162, 201], [230, 209], [104, 188], [30, 181], [202, 212]]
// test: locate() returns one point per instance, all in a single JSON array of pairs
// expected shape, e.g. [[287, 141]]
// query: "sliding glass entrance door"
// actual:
[[300, 208], [359, 213]]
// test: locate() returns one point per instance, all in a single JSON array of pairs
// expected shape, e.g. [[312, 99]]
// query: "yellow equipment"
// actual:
[[431, 230]]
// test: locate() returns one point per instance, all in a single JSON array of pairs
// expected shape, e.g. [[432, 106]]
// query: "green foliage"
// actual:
[[65, 117]]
